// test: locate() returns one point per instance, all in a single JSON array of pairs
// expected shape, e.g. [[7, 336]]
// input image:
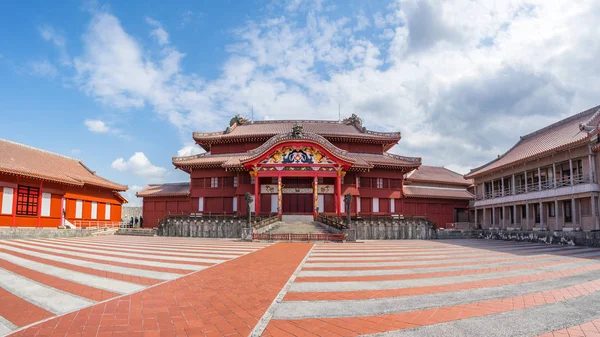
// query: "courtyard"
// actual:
[[156, 286]]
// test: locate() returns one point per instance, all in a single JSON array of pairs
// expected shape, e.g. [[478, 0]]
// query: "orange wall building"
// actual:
[[43, 189]]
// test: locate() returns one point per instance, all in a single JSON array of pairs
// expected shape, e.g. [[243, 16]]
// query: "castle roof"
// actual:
[[27, 161]]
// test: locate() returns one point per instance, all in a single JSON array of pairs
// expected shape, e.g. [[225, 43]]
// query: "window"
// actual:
[[7, 200], [78, 209], [46, 199], [107, 212], [214, 182], [27, 200], [395, 183], [94, 210], [379, 182], [568, 214], [236, 181], [523, 211], [536, 209], [551, 210]]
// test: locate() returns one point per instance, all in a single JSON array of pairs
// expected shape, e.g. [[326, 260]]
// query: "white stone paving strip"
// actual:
[[112, 258], [6, 326], [411, 262], [381, 272], [116, 286], [383, 306], [98, 266], [517, 323], [133, 255], [155, 252], [411, 283], [45, 297]]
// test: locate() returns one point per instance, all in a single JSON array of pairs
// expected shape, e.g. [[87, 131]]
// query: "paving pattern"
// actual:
[[128, 286], [40, 279]]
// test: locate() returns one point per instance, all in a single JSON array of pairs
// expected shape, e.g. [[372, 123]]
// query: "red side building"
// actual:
[[44, 189], [306, 167]]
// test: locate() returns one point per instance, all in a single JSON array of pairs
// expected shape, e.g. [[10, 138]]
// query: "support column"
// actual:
[[279, 197], [556, 224], [554, 173], [514, 211], [540, 185], [541, 214], [39, 210], [476, 217], [315, 197], [503, 192], [590, 168], [527, 214], [256, 193], [493, 216], [594, 216], [14, 205], [484, 218], [571, 171], [493, 196], [573, 213], [525, 181], [338, 192]]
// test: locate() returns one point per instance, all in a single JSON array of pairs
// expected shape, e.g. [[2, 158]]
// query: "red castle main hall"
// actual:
[[306, 167]]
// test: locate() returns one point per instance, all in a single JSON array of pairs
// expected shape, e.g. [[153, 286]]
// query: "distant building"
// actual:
[[43, 189], [548, 180], [306, 167]]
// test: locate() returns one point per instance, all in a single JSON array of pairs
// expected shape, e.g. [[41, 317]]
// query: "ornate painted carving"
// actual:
[[239, 120], [274, 189], [297, 131], [297, 155]]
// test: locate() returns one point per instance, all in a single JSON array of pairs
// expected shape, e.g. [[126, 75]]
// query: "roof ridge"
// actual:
[[38, 149], [176, 183], [560, 122]]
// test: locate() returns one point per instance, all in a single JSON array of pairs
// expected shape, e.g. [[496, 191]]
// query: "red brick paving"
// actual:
[[367, 294], [19, 311], [589, 329], [227, 299], [356, 326]]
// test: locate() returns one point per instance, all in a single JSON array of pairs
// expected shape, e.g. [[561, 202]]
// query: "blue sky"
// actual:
[[122, 85]]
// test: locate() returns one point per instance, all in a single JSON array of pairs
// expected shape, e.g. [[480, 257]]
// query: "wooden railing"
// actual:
[[266, 221]]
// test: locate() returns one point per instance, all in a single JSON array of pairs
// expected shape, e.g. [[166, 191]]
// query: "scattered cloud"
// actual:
[[48, 33], [76, 151], [42, 69], [161, 36], [96, 125], [189, 150], [461, 90], [130, 196], [140, 165]]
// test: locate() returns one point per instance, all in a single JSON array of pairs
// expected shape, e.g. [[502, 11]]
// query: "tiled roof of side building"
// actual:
[[411, 191], [28, 161], [560, 135], [437, 175], [165, 190]]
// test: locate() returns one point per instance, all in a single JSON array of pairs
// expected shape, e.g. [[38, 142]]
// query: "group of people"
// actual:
[[133, 222]]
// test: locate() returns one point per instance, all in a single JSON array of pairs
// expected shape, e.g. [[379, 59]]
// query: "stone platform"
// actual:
[[163, 286]]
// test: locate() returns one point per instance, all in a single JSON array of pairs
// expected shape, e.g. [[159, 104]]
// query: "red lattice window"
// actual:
[[27, 200]]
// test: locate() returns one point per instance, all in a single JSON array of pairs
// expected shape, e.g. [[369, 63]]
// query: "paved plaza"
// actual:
[[154, 286]]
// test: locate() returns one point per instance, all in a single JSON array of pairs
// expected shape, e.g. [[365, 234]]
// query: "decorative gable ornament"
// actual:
[[297, 131]]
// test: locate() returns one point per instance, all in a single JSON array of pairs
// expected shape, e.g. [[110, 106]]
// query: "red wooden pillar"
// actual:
[[315, 196], [338, 194], [14, 206], [256, 193], [39, 210], [279, 196]]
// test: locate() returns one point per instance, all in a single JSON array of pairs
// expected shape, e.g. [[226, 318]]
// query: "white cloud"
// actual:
[[161, 35], [48, 33], [130, 196], [76, 151], [42, 69], [139, 165], [189, 150], [96, 125], [461, 79]]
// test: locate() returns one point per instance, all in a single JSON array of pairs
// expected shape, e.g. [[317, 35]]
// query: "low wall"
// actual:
[[36, 233], [201, 228], [574, 238], [391, 229], [458, 234]]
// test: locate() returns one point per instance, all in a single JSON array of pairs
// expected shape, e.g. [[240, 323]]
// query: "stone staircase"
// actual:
[[136, 232], [298, 226]]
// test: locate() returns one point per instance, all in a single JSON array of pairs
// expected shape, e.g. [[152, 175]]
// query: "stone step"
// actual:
[[285, 227], [136, 232]]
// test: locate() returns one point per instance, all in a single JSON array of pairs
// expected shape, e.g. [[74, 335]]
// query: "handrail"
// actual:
[[536, 186]]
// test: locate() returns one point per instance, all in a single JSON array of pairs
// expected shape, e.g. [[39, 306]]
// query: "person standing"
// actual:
[[131, 223], [136, 221], [141, 222]]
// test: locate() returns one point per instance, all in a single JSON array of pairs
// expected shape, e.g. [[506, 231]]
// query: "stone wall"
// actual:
[[201, 227], [574, 238], [391, 229], [129, 212], [458, 234], [36, 233]]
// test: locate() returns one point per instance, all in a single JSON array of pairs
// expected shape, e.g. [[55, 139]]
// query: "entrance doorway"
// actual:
[[297, 203]]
